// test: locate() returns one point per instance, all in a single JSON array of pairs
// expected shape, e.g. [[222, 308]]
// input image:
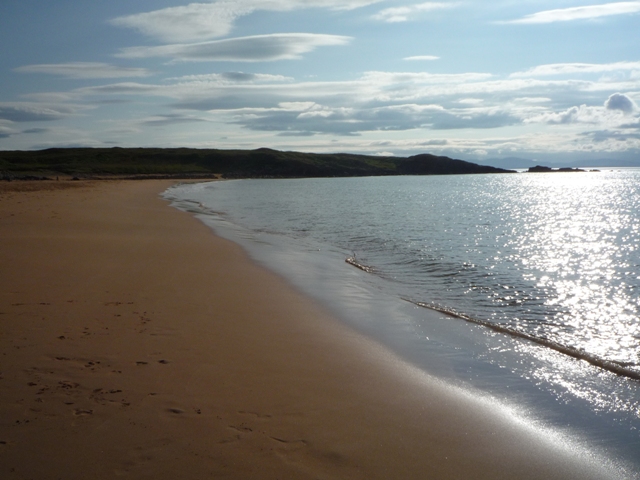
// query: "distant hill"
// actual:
[[426, 164], [509, 162], [604, 162], [262, 162], [522, 163]]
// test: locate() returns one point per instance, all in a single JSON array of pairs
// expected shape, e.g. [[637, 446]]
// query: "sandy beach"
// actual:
[[135, 343]]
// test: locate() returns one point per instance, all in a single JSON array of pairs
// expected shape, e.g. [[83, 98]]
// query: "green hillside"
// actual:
[[262, 162]]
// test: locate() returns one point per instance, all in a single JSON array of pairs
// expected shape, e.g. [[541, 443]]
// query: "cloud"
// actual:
[[620, 102], [232, 78], [614, 113], [608, 136], [377, 101], [36, 130], [203, 21], [221, 92], [422, 58], [581, 114], [409, 12], [50, 97], [82, 143], [524, 97], [377, 88], [480, 120], [32, 112], [576, 68], [579, 13], [258, 48], [305, 119], [82, 70], [235, 90], [471, 101], [187, 23], [6, 132], [634, 125], [170, 119], [423, 77], [309, 118]]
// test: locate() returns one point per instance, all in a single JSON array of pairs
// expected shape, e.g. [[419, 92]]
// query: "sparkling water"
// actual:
[[524, 286]]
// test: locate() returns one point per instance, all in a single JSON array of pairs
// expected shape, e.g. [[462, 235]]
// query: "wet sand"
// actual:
[[135, 343]]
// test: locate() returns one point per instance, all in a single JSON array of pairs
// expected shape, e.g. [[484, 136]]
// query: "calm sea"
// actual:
[[522, 287]]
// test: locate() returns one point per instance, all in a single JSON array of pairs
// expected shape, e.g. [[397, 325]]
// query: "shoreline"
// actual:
[[138, 343]]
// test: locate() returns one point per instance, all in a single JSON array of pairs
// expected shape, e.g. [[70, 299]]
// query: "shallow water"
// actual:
[[553, 258]]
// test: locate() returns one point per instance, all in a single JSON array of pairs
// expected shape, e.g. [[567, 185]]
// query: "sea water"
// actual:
[[522, 287]]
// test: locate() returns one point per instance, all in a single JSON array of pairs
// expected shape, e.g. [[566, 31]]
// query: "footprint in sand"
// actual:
[[68, 385], [255, 414], [282, 440], [242, 428]]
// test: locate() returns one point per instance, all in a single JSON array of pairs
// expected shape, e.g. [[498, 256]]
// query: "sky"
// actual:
[[473, 79]]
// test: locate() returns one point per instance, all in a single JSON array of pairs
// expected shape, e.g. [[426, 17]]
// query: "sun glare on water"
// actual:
[[580, 244]]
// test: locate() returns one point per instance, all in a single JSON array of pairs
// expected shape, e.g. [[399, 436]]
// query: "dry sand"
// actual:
[[135, 343]]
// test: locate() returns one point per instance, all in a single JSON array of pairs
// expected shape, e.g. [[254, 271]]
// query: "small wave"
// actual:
[[355, 263], [195, 206], [619, 368]]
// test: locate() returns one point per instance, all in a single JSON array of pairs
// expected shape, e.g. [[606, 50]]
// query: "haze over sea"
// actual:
[[538, 276]]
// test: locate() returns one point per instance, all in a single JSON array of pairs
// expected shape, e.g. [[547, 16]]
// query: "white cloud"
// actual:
[[620, 102], [409, 12], [422, 58], [187, 23], [576, 68], [581, 114], [203, 21], [86, 70], [579, 13], [614, 114], [321, 111], [471, 101], [258, 48]]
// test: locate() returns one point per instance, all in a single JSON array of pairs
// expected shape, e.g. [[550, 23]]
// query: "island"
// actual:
[[544, 169]]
